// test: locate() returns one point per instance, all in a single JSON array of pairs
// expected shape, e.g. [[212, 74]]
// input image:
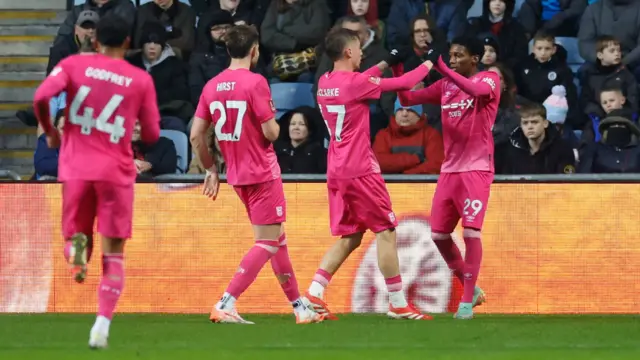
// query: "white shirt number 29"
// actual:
[[340, 112], [87, 122]]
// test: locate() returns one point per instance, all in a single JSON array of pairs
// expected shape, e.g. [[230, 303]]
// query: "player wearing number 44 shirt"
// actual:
[[238, 104], [106, 96], [358, 197], [469, 100]]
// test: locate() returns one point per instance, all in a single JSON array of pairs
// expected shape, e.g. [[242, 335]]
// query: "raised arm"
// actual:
[[408, 80], [429, 95], [484, 88]]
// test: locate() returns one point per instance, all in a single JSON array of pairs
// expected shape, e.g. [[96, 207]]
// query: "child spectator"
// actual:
[[540, 72], [409, 145], [617, 151], [491, 51], [557, 108], [300, 147], [607, 73], [367, 9], [497, 20], [535, 147]]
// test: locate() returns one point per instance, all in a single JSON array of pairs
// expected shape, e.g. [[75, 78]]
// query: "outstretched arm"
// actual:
[[483, 88], [408, 80]]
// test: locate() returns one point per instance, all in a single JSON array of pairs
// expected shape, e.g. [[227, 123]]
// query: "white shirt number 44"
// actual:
[[88, 122]]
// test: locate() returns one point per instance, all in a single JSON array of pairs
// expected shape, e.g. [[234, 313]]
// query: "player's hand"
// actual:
[[397, 56], [53, 139], [142, 166], [211, 185], [432, 55]]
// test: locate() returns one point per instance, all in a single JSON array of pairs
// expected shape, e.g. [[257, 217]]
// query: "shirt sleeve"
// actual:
[[53, 85], [202, 111], [432, 94], [366, 87], [262, 104], [149, 115]]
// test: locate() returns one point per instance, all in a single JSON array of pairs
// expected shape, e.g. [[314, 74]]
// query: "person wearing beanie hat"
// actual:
[[408, 145], [535, 147], [178, 19], [618, 150], [556, 105], [491, 51]]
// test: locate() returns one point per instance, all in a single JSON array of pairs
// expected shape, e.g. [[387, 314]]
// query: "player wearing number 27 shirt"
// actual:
[[105, 98], [469, 101]]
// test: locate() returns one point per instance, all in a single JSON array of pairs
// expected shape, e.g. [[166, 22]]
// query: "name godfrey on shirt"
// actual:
[[109, 76]]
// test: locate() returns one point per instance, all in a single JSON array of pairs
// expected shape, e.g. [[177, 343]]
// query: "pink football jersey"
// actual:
[[105, 98], [467, 120], [238, 102], [343, 98]]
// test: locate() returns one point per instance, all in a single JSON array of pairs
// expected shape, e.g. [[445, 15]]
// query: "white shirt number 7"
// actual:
[[340, 112]]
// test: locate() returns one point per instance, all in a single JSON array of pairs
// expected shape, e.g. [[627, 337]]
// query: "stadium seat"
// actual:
[[181, 143], [287, 96]]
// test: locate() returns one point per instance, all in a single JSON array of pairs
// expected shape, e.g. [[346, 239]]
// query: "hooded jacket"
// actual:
[[555, 155], [123, 8], [310, 157], [415, 149]]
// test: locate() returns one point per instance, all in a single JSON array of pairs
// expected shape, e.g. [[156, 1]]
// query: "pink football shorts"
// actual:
[[264, 202], [462, 195], [83, 201], [358, 204]]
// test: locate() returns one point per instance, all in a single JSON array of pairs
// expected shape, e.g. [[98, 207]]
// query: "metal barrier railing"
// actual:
[[8, 174]]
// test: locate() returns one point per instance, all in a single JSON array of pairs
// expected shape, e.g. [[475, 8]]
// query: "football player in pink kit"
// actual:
[[358, 197], [106, 95], [238, 103], [469, 100]]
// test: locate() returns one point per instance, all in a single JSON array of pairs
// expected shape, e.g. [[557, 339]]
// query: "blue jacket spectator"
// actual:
[[560, 17], [45, 159], [450, 15]]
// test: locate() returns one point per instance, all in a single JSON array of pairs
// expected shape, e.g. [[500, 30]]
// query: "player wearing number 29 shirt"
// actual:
[[358, 197], [106, 96], [237, 103], [469, 100]]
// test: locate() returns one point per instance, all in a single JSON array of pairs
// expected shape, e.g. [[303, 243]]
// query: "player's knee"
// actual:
[[439, 236], [471, 233], [112, 245], [352, 241]]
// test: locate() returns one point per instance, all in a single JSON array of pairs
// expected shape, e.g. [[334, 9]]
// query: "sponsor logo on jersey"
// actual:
[[374, 80], [490, 82], [462, 105]]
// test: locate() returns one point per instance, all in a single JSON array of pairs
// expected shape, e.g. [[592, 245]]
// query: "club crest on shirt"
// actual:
[[57, 70], [374, 80], [272, 106], [489, 81]]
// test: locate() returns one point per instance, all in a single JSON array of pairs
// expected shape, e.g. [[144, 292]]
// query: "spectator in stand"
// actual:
[[214, 58], [409, 145], [450, 15], [291, 30], [300, 147], [123, 8], [65, 46], [372, 53], [491, 52], [558, 17], [607, 72], [160, 158], [611, 98], [178, 19], [247, 12], [45, 159], [535, 147], [508, 118], [557, 108], [617, 151], [169, 76], [540, 72], [497, 20], [195, 167], [619, 18], [368, 10]]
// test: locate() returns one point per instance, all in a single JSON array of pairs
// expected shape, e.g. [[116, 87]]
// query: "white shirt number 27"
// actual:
[[88, 122], [241, 106]]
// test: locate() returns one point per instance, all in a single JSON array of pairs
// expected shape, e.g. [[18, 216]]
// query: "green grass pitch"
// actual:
[[184, 337]]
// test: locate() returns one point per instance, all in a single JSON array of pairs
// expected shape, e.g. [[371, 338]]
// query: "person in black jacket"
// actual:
[[300, 147], [617, 151], [169, 76], [125, 9], [535, 147], [539, 73], [152, 160], [508, 118], [560, 17], [65, 46], [497, 20]]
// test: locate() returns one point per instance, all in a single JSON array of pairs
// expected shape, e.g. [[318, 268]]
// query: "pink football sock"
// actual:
[[281, 265], [451, 255], [111, 285], [251, 265], [473, 258], [322, 277], [394, 283]]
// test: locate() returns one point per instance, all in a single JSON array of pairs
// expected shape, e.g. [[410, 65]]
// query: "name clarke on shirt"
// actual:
[[329, 92]]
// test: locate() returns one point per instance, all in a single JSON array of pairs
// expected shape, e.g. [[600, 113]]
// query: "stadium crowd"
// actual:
[[578, 59]]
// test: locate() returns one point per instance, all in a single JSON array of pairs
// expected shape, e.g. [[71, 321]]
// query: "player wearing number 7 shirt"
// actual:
[[469, 100], [358, 197], [106, 96], [238, 104]]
